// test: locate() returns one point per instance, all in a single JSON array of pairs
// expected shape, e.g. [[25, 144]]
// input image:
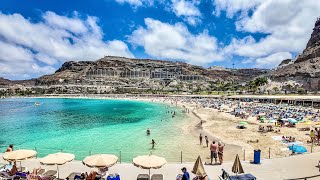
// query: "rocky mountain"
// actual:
[[6, 82], [124, 69], [305, 68]]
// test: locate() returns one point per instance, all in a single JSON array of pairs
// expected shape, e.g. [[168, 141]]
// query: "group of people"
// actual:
[[315, 136], [289, 139], [186, 176], [216, 150]]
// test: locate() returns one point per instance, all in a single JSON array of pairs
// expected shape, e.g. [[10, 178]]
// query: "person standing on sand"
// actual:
[[220, 152], [207, 140], [153, 143], [200, 138], [318, 135], [213, 150], [312, 136]]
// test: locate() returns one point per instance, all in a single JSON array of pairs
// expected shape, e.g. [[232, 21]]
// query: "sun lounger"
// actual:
[[50, 173], [72, 175], [143, 177], [157, 177], [243, 177], [113, 177]]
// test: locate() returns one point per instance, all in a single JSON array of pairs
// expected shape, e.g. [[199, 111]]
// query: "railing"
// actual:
[[173, 156]]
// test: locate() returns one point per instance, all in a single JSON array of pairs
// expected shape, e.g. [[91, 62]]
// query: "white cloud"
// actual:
[[234, 6], [56, 39], [287, 25], [163, 40], [272, 60], [137, 3], [188, 10]]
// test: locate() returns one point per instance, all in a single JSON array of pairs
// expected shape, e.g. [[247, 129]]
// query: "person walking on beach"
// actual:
[[200, 138], [220, 152], [153, 143], [207, 140], [213, 150]]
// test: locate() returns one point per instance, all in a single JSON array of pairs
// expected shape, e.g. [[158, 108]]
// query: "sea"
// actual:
[[94, 126]]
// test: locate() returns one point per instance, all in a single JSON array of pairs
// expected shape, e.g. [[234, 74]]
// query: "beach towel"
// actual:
[[277, 138]]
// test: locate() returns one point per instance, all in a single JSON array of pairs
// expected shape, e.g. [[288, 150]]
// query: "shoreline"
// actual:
[[192, 127], [216, 126]]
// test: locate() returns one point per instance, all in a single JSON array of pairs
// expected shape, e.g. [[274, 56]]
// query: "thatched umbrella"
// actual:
[[198, 168], [237, 167]]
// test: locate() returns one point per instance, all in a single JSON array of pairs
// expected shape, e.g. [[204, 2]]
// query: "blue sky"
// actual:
[[37, 37]]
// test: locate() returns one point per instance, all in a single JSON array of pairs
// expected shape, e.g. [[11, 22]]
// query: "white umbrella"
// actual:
[[100, 160], [149, 162], [19, 155], [57, 159]]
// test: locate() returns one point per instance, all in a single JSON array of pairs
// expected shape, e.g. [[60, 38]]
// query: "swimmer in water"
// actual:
[[153, 143], [148, 132]]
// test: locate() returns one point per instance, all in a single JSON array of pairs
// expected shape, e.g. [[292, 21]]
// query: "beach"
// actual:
[[220, 126]]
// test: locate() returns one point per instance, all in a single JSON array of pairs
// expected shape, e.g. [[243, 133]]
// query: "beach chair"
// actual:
[[50, 173], [243, 177], [113, 177], [157, 177], [72, 175], [143, 177]]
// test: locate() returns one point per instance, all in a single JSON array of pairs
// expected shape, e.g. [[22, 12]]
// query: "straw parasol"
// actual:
[[237, 167], [57, 159], [19, 155], [198, 168], [149, 162], [100, 160]]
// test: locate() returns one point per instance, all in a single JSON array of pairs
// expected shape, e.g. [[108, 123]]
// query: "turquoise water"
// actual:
[[91, 126]]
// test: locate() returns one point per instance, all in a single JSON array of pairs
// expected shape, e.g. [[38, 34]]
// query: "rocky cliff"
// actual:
[[305, 69], [126, 69]]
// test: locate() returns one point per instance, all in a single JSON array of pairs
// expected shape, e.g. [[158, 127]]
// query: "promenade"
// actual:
[[276, 169]]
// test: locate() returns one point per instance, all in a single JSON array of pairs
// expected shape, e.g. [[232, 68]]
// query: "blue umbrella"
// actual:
[[292, 120], [298, 149]]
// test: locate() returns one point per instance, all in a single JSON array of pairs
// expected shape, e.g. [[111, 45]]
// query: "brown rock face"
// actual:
[[315, 36], [125, 70], [306, 67]]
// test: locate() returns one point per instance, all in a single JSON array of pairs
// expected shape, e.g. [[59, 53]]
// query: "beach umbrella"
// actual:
[[292, 120], [272, 121], [237, 167], [298, 149], [19, 155], [243, 123], [198, 168], [100, 160], [57, 159], [149, 162]]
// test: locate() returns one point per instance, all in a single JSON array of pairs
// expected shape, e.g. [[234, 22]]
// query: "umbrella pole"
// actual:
[[20, 166], [58, 170], [149, 172]]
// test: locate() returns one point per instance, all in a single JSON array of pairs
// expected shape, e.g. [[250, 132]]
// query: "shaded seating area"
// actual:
[[143, 177], [157, 177]]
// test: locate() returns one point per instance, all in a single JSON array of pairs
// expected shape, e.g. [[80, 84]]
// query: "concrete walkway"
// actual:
[[270, 169]]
